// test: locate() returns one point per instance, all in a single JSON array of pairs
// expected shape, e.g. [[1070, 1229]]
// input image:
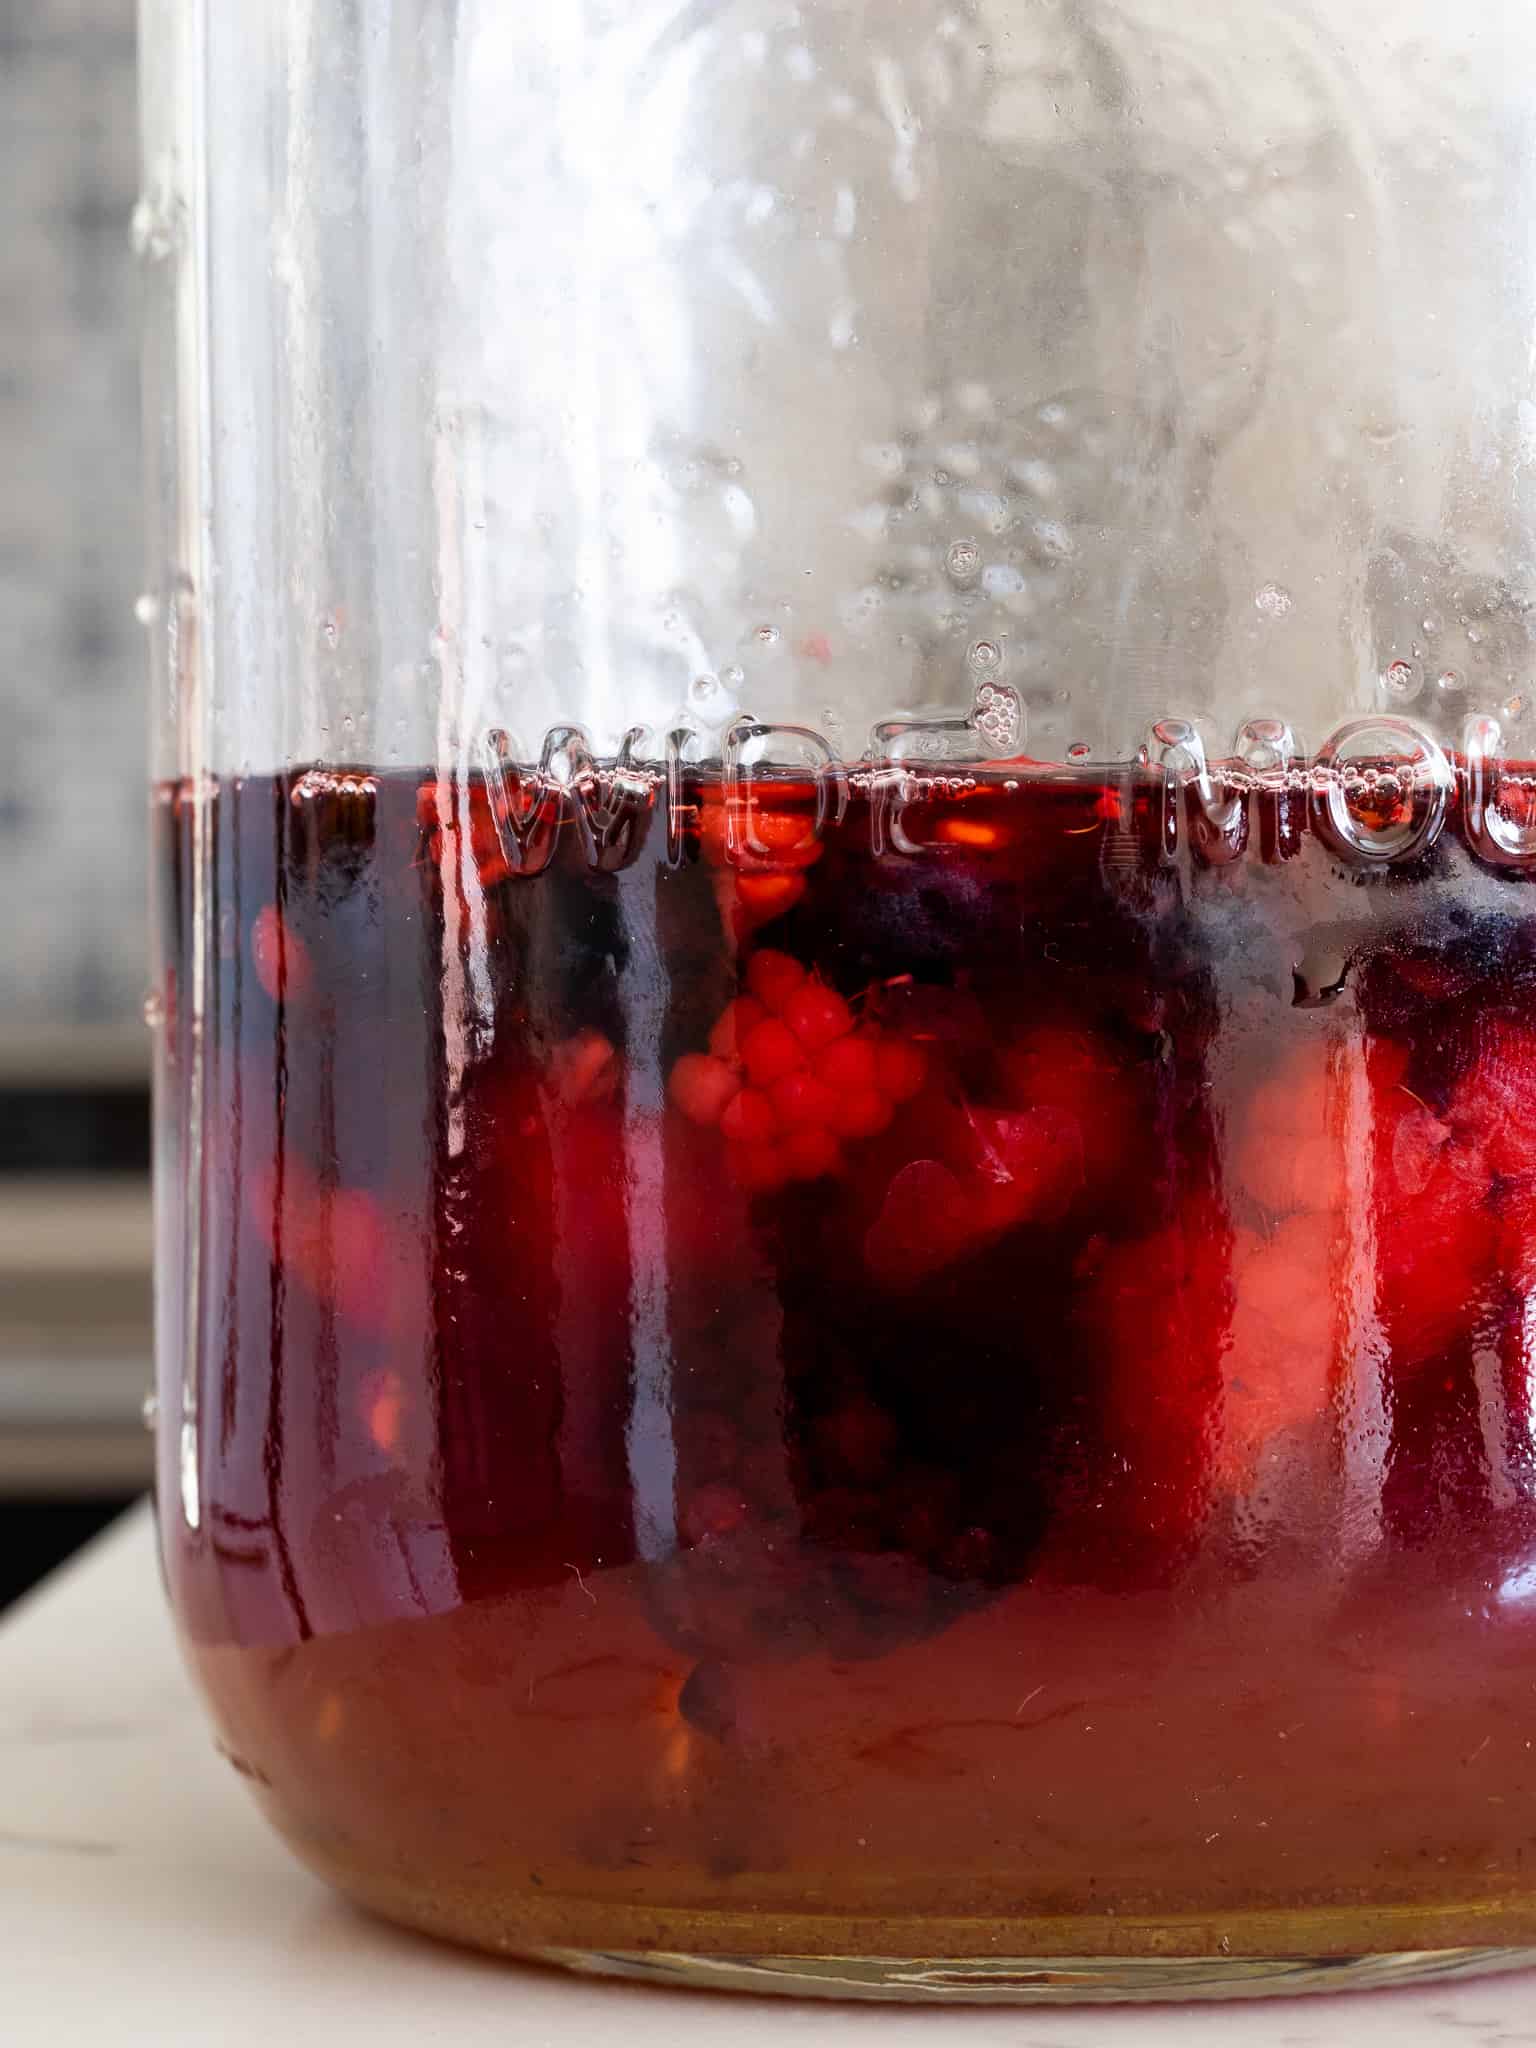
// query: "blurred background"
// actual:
[[74, 1106]]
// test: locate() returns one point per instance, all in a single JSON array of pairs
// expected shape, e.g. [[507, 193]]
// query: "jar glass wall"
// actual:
[[847, 1083]]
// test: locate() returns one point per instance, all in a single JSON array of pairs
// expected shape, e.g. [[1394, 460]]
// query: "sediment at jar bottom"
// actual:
[[1099, 1778]]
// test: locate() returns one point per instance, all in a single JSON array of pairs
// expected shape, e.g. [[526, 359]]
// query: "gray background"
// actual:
[[72, 804]]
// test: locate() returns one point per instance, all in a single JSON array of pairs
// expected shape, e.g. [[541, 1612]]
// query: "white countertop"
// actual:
[[142, 1901]]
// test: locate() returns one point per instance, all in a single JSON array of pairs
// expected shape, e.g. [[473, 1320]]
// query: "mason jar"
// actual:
[[846, 1064]]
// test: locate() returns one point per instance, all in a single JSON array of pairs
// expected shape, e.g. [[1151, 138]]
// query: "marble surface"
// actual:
[[142, 1902]]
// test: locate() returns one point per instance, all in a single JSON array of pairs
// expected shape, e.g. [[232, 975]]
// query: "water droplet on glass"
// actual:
[[149, 231], [963, 560], [1430, 624], [704, 689], [1273, 600], [984, 655], [733, 677], [768, 636], [1401, 680], [146, 608]]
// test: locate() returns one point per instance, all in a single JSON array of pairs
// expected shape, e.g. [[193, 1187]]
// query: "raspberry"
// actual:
[[853, 1064], [702, 1086], [335, 1240], [800, 1101], [1075, 1072], [748, 1118], [817, 1016], [1435, 1254], [811, 1153], [782, 835], [1437, 1236], [900, 1068], [773, 977], [585, 1068], [770, 1051], [762, 898], [862, 1113], [1157, 1315], [788, 1076], [1290, 1154], [1021, 1166], [735, 1021], [925, 1222], [755, 838], [1494, 1106], [1284, 1337], [280, 959], [383, 1406]]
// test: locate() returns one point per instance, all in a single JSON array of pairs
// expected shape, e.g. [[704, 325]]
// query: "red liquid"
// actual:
[[812, 1398]]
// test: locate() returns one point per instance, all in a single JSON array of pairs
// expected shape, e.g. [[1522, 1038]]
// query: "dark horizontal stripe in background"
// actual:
[[92, 1129]]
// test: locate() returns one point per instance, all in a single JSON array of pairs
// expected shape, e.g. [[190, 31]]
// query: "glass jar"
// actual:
[[847, 1083]]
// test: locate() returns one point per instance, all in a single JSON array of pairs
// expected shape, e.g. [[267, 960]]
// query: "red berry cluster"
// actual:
[[470, 814], [791, 1075]]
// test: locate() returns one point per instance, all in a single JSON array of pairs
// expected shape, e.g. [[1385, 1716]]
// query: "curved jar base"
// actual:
[[1040, 1980], [923, 1960]]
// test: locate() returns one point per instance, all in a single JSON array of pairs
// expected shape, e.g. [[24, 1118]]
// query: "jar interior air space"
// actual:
[[843, 818]]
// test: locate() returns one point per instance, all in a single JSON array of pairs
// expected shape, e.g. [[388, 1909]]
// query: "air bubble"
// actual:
[[963, 560], [1079, 751], [704, 690], [146, 608], [330, 632], [1401, 680], [733, 677], [1448, 682], [154, 1011], [767, 636], [1429, 624], [149, 1411], [1381, 790], [1273, 600], [984, 655]]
